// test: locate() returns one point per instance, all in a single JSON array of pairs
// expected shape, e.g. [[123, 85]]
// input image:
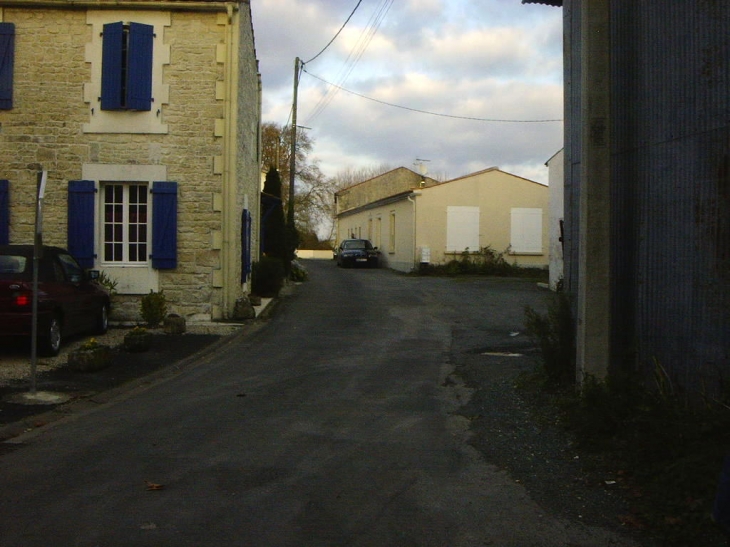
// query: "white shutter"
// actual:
[[462, 229], [526, 233]]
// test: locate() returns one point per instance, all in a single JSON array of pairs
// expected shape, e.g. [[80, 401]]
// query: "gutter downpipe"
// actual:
[[229, 172], [413, 228]]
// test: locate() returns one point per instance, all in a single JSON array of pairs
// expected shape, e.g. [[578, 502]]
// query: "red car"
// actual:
[[69, 300]]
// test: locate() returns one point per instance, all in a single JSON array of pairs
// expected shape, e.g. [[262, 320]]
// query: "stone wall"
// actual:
[[388, 184], [45, 129]]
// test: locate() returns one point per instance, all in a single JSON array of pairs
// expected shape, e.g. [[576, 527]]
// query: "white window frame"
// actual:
[[126, 224]]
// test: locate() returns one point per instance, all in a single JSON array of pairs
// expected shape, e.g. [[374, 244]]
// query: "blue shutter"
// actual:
[[7, 60], [111, 67], [164, 225], [139, 72], [245, 245], [4, 212], [81, 221]]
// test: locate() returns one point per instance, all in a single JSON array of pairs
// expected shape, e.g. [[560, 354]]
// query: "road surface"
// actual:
[[333, 425]]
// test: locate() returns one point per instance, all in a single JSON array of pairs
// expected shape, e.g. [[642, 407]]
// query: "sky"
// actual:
[[417, 83]]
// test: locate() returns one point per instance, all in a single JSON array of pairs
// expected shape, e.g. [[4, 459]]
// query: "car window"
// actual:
[[12, 264], [73, 271], [358, 244]]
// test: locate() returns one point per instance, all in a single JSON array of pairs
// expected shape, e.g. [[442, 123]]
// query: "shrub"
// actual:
[[298, 272], [108, 283], [485, 261], [153, 308], [267, 276], [555, 335]]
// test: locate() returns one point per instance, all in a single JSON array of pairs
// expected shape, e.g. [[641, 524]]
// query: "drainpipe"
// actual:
[[230, 204], [594, 277], [413, 227]]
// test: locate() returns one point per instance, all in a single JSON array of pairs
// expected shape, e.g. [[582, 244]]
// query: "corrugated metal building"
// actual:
[[669, 143]]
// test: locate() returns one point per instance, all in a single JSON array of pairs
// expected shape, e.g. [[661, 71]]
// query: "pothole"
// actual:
[[38, 398]]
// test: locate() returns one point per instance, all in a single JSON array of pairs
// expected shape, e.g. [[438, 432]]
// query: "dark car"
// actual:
[[69, 300], [357, 252]]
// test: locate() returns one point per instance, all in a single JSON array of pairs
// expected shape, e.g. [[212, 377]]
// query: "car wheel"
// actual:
[[102, 320], [50, 342]]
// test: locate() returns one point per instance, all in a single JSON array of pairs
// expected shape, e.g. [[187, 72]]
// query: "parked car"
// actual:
[[357, 252], [70, 301]]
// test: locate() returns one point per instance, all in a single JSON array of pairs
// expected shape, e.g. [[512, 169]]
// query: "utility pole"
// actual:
[[293, 153]]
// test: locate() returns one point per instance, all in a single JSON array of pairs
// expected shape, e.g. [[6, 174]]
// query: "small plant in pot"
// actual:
[[90, 356], [137, 340]]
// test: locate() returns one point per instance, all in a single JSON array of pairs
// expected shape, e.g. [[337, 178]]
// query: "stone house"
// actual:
[[146, 118], [414, 220]]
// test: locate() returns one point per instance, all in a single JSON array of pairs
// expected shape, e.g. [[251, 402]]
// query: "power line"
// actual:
[[426, 111], [353, 57], [336, 35]]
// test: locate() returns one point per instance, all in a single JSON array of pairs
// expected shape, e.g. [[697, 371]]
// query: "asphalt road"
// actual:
[[334, 425]]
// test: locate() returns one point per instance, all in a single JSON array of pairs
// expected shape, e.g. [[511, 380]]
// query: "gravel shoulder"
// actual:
[[514, 433]]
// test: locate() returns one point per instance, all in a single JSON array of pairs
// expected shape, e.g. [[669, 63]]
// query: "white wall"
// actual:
[[556, 170]]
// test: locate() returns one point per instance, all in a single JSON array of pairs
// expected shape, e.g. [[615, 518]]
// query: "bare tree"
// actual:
[[313, 193]]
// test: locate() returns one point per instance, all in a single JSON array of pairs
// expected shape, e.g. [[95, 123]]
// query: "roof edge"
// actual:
[[556, 3]]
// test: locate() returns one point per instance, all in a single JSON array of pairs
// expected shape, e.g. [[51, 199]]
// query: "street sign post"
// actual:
[[37, 254]]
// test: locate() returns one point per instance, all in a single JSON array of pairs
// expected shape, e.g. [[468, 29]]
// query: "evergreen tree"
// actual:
[[274, 235]]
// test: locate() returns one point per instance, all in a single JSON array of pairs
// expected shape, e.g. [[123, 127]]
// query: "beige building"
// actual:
[[145, 117], [423, 221]]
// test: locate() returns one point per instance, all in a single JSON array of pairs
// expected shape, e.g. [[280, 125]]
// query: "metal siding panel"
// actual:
[[671, 192], [572, 92]]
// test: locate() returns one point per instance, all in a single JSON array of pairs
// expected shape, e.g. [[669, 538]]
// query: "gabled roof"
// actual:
[[556, 3], [487, 170]]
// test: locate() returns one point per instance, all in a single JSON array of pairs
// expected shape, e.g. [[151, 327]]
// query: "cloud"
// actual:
[[493, 59]]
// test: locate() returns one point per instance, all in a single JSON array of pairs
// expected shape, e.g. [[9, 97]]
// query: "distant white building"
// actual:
[[556, 171], [413, 219]]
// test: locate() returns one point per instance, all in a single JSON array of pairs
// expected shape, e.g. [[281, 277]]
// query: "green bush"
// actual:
[[153, 308], [267, 277], [107, 282], [485, 261], [298, 272], [555, 335]]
